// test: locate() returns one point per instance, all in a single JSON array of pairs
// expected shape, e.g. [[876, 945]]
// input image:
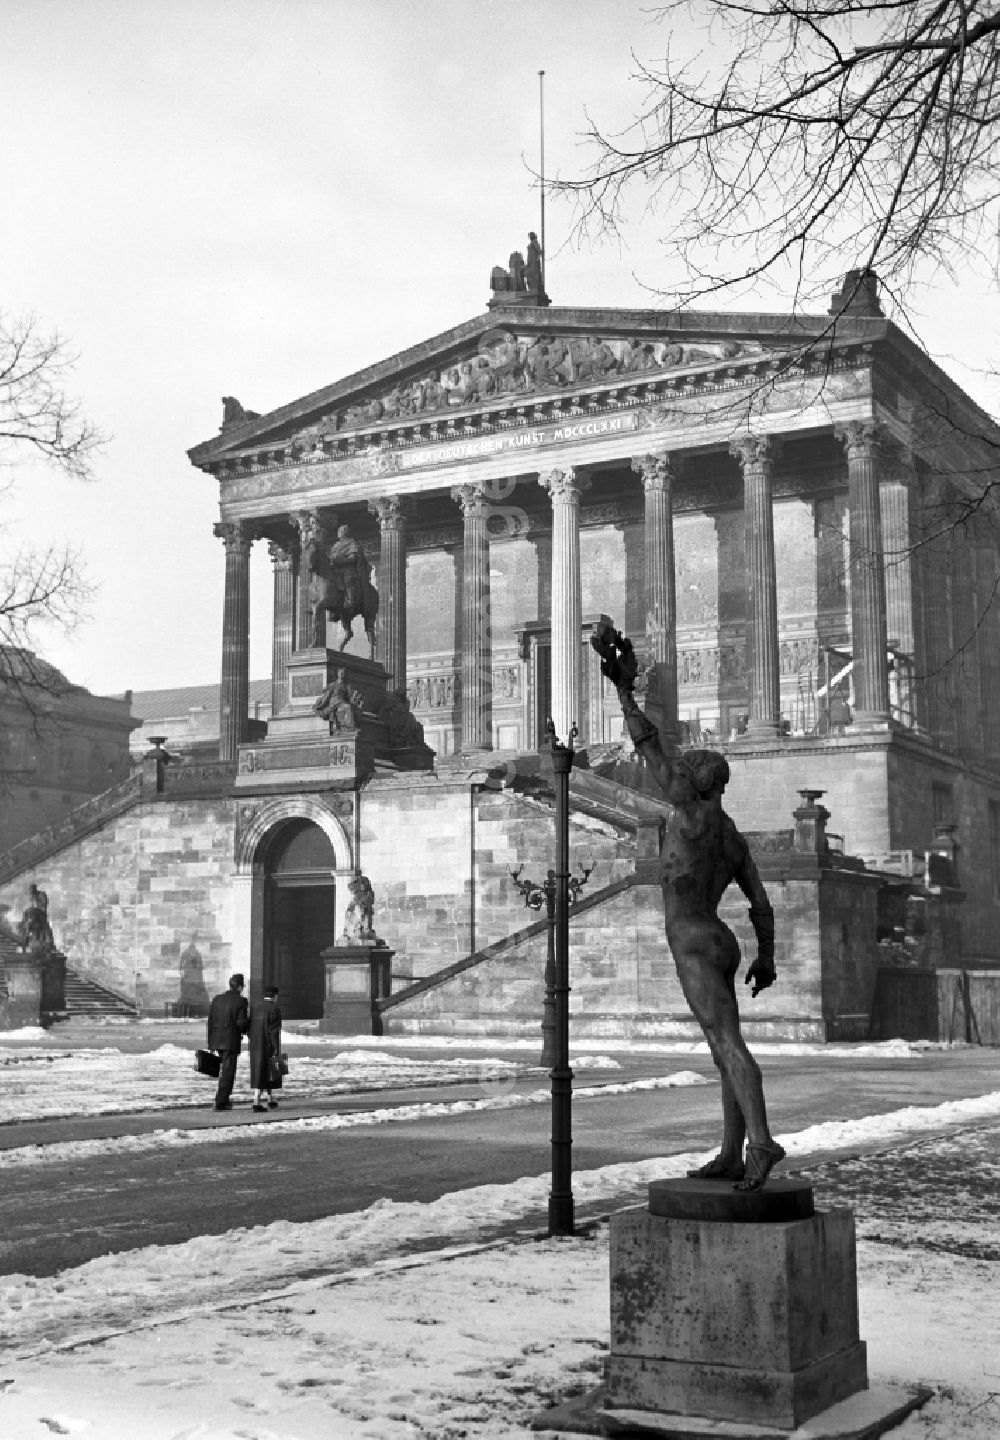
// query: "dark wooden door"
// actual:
[[300, 924]]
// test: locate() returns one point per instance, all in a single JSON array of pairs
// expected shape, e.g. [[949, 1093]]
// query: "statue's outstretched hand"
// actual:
[[618, 658], [760, 975]]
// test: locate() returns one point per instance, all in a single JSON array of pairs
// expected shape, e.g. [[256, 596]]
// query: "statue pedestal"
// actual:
[[302, 751], [356, 976], [739, 1309], [35, 986], [734, 1316]]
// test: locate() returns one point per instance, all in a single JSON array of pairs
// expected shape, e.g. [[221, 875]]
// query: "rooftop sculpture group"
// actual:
[[701, 854]]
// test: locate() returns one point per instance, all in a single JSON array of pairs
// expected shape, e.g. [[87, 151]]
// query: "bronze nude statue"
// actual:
[[702, 853]]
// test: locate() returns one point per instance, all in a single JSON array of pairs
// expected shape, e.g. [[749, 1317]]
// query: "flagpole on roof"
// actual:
[[541, 124]]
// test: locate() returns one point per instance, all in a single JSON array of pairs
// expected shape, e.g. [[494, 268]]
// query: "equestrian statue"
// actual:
[[343, 591]]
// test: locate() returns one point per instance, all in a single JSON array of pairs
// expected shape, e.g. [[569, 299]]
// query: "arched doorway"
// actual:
[[300, 916]]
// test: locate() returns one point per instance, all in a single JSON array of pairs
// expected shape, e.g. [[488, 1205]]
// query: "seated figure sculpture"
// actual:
[[701, 854], [340, 705]]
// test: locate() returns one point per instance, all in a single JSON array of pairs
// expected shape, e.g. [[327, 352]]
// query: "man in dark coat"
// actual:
[[265, 1046], [228, 1022]]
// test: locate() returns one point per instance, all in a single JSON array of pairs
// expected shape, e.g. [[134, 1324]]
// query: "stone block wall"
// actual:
[[425, 848], [128, 900]]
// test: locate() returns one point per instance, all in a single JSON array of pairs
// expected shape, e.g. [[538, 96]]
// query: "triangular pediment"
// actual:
[[521, 356]]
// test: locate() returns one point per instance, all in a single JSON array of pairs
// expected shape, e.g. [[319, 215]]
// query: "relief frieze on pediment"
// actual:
[[510, 365]]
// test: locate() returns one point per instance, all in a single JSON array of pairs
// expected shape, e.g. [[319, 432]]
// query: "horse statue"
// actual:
[[343, 591]]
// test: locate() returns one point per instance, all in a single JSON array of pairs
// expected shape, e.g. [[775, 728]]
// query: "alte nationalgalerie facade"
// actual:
[[765, 505]]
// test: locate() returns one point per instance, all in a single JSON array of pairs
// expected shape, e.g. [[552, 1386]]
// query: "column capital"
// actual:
[[755, 452], [862, 439], [389, 510], [564, 486], [309, 526], [471, 498], [236, 535], [282, 553], [656, 471]]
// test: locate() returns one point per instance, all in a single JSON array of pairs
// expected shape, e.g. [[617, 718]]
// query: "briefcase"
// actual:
[[206, 1062]]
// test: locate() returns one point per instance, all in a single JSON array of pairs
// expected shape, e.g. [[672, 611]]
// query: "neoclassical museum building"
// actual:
[[786, 516]]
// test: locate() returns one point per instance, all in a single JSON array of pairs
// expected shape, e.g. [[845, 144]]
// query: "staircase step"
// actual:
[[88, 998]]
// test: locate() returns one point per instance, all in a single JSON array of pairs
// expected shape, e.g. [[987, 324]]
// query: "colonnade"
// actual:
[[874, 509]]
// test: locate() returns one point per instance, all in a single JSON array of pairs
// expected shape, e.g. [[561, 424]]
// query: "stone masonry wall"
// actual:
[[416, 848], [126, 901]]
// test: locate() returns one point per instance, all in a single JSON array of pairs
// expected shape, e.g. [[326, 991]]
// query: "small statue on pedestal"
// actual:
[[35, 932], [359, 927], [340, 705], [701, 854]]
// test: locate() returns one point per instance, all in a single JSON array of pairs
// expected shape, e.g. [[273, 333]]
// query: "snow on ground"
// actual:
[[38, 1084], [471, 1341], [43, 1077], [121, 1290]]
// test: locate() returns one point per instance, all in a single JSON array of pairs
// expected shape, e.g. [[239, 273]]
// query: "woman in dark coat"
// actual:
[[264, 1042]]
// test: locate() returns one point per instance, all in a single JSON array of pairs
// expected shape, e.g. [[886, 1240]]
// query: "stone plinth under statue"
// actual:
[[32, 985], [357, 977], [362, 721], [734, 1314]]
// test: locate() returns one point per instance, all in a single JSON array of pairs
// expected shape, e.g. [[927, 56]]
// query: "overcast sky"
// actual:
[[256, 198]]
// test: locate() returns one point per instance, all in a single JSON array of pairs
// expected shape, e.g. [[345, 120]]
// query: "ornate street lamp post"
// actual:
[[559, 891]]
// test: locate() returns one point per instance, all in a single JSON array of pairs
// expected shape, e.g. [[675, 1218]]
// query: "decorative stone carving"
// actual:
[[509, 364], [340, 705], [234, 414], [507, 683], [434, 692], [359, 921]]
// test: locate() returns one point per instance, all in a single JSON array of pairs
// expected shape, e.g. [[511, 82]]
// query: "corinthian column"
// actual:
[[477, 651], [902, 616], [391, 633], [868, 631], [235, 688], [310, 530], [661, 601], [757, 454], [565, 489], [283, 631]]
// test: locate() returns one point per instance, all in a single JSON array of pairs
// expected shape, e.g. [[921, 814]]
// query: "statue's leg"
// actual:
[[707, 955], [348, 633]]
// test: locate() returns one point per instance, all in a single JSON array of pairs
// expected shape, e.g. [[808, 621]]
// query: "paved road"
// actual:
[[58, 1215]]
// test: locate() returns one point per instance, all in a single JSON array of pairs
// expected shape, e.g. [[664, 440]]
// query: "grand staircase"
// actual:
[[86, 1000]]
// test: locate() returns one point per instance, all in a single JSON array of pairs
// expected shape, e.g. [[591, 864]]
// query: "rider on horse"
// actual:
[[348, 589]]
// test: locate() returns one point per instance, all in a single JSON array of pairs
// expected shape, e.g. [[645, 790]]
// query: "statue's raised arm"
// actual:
[[620, 664]]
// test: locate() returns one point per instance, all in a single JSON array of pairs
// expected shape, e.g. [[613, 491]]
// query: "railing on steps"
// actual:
[[152, 782], [80, 821], [500, 947]]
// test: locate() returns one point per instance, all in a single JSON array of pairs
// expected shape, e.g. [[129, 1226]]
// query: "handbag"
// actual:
[[206, 1062], [277, 1066]]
